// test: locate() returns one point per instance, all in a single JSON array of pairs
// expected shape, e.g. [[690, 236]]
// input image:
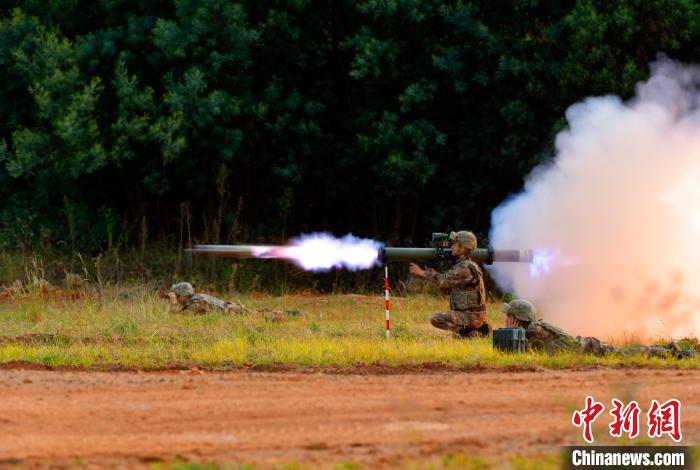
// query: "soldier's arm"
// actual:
[[174, 304], [199, 306], [456, 276], [533, 338]]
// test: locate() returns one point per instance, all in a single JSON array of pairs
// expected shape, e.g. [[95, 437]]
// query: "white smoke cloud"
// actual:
[[618, 207]]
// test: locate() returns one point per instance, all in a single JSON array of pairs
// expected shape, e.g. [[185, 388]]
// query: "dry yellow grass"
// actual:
[[134, 328]]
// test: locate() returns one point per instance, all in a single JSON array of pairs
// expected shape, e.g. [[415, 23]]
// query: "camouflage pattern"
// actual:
[[203, 303], [521, 309], [465, 285], [595, 346], [656, 351], [541, 336], [463, 323], [464, 238], [591, 345], [182, 288]]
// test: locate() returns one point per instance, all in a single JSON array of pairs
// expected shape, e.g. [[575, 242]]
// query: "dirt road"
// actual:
[[105, 418]]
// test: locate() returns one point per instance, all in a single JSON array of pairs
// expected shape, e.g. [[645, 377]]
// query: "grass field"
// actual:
[[453, 461], [133, 328]]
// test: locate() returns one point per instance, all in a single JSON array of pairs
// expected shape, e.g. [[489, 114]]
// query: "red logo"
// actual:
[[624, 419], [665, 419], [662, 418], [586, 416]]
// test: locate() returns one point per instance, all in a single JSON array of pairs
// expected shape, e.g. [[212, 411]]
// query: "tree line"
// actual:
[[126, 122]]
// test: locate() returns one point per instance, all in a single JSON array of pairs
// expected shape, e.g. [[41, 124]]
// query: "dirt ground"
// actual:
[[132, 419]]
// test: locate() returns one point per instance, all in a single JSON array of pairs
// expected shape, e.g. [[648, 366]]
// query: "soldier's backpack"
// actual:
[[510, 340]]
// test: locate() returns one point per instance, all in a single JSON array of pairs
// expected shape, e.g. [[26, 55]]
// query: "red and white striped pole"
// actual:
[[386, 298]]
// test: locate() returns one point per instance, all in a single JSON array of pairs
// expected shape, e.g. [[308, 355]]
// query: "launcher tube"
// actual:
[[480, 255], [513, 256], [386, 254], [236, 251]]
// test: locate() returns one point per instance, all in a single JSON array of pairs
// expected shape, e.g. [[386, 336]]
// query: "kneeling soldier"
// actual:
[[465, 284]]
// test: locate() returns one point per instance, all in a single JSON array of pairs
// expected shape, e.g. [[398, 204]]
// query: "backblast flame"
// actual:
[[541, 263]]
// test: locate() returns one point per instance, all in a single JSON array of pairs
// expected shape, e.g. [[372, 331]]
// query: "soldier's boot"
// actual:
[[469, 333], [689, 353], [485, 330], [678, 353]]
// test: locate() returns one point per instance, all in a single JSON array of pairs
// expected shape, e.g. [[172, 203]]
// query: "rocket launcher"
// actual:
[[441, 250], [380, 254], [480, 255]]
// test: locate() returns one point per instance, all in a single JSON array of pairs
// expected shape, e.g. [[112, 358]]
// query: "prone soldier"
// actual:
[[541, 336], [184, 299], [465, 284]]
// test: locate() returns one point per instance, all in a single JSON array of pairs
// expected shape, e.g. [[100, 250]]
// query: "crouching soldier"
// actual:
[[541, 336], [184, 299], [465, 284]]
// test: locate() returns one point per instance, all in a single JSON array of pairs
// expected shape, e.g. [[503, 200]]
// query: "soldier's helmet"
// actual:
[[521, 309], [182, 288], [464, 238]]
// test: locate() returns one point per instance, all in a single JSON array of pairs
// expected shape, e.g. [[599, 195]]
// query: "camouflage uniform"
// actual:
[[541, 336], [189, 301], [203, 303], [465, 284]]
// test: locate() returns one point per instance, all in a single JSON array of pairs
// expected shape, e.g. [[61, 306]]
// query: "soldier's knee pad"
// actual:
[[438, 321]]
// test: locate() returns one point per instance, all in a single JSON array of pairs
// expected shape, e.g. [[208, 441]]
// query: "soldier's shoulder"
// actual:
[[463, 267], [465, 263], [210, 299], [552, 329], [472, 264], [200, 296]]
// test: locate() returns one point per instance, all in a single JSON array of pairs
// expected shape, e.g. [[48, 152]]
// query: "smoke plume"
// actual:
[[615, 215]]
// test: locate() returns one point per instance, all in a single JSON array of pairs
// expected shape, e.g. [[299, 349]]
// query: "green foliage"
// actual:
[[183, 120], [612, 42], [63, 140]]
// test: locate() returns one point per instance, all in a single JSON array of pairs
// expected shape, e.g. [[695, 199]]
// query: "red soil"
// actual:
[[133, 419]]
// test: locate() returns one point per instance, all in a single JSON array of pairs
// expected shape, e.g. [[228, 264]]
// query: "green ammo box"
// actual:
[[509, 339]]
